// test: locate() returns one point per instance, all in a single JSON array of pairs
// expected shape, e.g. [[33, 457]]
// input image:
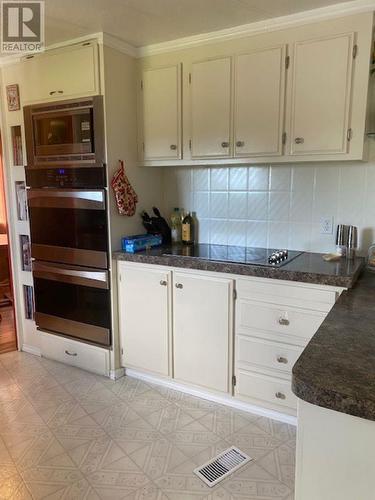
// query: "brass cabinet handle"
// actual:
[[284, 321], [173, 147], [179, 285], [240, 144], [163, 283], [299, 140], [280, 395], [53, 92], [225, 144], [70, 353], [281, 359]]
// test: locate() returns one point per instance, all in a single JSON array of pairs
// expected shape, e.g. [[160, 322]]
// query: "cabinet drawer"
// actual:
[[265, 353], [259, 316], [284, 293], [263, 387], [84, 356]]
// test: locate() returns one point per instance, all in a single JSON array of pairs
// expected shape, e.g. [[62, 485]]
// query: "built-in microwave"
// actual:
[[66, 133]]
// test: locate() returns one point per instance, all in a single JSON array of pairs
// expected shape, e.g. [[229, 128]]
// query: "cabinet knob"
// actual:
[[173, 147], [163, 283], [280, 395], [225, 144], [179, 285], [299, 140], [71, 353], [240, 144], [284, 321], [281, 359]]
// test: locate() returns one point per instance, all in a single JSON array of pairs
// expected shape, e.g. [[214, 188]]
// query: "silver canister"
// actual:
[[352, 241], [342, 239]]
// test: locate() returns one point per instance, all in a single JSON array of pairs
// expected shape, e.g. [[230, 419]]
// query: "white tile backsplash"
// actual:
[[278, 205]]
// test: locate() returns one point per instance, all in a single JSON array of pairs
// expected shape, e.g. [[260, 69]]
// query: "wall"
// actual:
[[277, 205]]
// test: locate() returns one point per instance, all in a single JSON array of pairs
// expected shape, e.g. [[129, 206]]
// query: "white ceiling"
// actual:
[[144, 22]]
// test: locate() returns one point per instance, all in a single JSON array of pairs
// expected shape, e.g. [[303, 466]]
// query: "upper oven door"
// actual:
[[63, 132], [69, 226]]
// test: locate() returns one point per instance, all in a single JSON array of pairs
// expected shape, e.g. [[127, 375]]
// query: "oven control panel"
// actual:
[[60, 177]]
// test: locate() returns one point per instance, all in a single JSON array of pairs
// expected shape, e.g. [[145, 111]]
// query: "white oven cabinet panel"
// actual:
[[256, 317], [84, 356], [255, 353], [202, 330], [321, 88], [259, 108], [211, 108], [144, 314], [160, 113], [61, 73], [273, 391]]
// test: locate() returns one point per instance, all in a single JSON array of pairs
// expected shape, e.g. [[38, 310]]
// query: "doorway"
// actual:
[[8, 335]]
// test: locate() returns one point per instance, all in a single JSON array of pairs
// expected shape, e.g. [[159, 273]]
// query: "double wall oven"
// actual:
[[67, 200]]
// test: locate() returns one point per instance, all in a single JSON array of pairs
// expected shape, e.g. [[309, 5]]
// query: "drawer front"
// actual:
[[286, 293], [266, 354], [84, 356], [265, 388], [259, 316]]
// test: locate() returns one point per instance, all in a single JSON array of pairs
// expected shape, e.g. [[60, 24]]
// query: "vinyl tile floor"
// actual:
[[67, 434]]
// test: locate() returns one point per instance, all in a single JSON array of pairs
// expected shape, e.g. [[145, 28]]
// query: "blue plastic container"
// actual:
[[138, 242]]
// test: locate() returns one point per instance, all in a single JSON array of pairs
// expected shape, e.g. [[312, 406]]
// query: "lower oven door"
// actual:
[[73, 301], [69, 226]]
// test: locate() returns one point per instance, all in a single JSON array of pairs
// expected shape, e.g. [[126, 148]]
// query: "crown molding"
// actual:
[[267, 25], [120, 45]]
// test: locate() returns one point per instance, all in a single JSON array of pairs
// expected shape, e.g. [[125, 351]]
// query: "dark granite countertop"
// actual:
[[337, 368], [307, 268]]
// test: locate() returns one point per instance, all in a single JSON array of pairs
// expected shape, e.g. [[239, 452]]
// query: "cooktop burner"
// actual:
[[241, 255]]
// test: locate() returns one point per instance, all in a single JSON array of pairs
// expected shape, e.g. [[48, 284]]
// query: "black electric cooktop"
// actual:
[[269, 257]]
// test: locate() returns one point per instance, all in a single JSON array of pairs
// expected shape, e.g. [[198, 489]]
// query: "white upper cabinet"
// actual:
[[61, 74], [160, 113], [211, 108], [259, 102], [320, 95]]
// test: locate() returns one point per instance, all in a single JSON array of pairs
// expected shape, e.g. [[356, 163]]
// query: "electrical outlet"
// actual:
[[326, 225]]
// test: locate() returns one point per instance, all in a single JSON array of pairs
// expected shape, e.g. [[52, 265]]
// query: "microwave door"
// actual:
[[73, 301], [69, 226]]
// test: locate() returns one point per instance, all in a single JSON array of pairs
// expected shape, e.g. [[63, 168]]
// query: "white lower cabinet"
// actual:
[[84, 356], [189, 326], [144, 314], [202, 315]]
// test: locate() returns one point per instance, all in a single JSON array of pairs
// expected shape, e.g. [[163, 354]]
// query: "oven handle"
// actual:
[[96, 278], [67, 198]]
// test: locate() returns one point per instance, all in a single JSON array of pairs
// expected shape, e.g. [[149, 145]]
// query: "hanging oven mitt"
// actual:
[[126, 197]]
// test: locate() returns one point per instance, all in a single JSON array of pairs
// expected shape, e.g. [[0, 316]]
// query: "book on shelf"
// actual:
[[28, 293]]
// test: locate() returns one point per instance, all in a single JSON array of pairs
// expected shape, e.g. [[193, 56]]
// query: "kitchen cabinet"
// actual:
[[160, 113], [61, 73], [259, 102], [144, 316], [202, 316], [210, 83], [320, 95]]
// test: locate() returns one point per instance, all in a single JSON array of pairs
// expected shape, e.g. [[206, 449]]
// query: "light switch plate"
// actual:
[[326, 225]]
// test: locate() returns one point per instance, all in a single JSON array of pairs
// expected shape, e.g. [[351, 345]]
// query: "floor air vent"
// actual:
[[222, 466]]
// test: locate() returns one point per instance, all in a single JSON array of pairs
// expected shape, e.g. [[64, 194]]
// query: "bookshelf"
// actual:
[[17, 150]]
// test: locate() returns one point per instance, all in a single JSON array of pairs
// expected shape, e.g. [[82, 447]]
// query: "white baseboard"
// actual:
[[216, 398], [31, 350], [116, 374]]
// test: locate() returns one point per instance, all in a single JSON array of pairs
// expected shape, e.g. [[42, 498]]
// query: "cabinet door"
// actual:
[[260, 96], [202, 330], [61, 74], [160, 111], [211, 108], [144, 311], [322, 73]]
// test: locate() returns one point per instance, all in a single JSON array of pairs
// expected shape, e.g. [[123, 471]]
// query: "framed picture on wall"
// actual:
[[13, 97]]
